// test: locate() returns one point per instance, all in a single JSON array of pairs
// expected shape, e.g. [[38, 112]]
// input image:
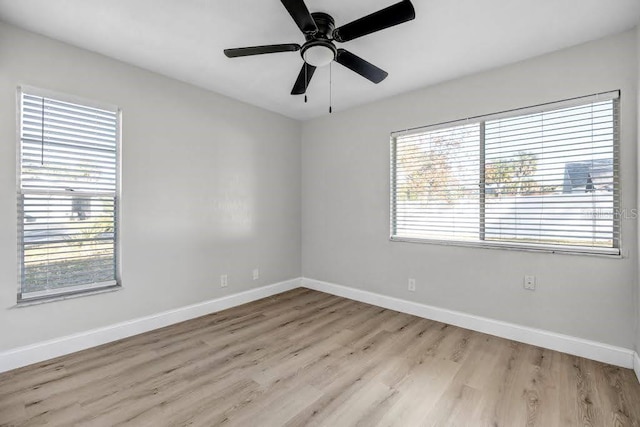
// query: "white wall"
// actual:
[[209, 186], [345, 203]]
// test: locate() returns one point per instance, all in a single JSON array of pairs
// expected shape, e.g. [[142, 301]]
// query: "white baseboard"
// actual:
[[46, 350], [23, 356], [617, 356]]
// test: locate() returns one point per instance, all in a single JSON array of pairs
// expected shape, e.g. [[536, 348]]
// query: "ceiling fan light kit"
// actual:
[[318, 54], [320, 33]]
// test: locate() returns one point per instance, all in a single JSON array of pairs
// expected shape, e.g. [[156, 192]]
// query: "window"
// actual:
[[67, 195], [541, 178]]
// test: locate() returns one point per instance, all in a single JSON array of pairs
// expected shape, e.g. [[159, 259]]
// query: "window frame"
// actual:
[[72, 291], [610, 252]]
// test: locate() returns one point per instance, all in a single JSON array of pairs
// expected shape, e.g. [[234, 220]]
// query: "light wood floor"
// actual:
[[308, 358]]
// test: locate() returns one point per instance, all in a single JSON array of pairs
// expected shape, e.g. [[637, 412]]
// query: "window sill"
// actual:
[[59, 297], [614, 254]]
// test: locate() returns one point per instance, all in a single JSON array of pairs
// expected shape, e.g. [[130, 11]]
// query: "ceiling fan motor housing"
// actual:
[[325, 24], [319, 50]]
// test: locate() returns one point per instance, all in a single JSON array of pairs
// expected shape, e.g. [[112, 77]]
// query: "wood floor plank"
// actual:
[[305, 358]]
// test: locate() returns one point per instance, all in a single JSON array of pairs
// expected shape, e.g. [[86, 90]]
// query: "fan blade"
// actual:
[[302, 82], [259, 50], [300, 14], [385, 18], [360, 66]]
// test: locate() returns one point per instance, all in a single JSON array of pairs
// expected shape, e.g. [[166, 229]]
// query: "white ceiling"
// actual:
[[449, 38]]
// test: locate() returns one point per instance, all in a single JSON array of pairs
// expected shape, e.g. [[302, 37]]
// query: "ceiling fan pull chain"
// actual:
[[305, 82], [330, 83]]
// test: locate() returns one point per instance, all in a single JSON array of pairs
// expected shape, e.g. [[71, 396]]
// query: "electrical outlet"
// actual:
[[530, 283], [223, 281], [256, 274], [412, 285]]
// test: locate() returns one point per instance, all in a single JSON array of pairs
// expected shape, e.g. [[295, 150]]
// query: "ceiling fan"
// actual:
[[320, 34]]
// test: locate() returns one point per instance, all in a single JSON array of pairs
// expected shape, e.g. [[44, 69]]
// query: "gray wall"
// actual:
[[209, 186], [345, 203]]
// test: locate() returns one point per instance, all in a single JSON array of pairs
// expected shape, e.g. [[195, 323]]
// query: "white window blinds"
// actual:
[[543, 178], [67, 196]]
